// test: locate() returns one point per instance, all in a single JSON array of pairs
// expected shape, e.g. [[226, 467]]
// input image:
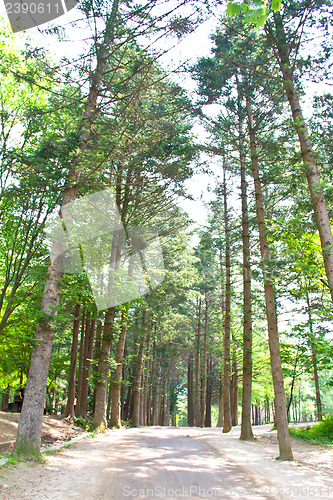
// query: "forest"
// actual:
[[133, 314]]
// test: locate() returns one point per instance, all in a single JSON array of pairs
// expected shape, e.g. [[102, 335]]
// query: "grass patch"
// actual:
[[321, 433]]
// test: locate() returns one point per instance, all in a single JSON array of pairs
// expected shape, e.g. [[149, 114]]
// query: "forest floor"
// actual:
[[173, 463], [54, 429]]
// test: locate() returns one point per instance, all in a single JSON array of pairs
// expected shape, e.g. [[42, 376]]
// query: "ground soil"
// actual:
[[172, 463], [54, 429]]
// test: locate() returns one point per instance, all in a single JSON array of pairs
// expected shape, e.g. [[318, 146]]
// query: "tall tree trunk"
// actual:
[[117, 375], [197, 416], [138, 373], [5, 398], [221, 405], [81, 354], [246, 427], [221, 389], [156, 397], [292, 384], [82, 407], [85, 381], [234, 392], [281, 48], [227, 424], [30, 425], [314, 361], [152, 377], [146, 381], [99, 420], [190, 402], [273, 336], [69, 411], [319, 410], [127, 406], [97, 351], [208, 414], [204, 367]]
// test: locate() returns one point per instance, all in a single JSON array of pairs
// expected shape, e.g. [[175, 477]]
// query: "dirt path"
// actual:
[[54, 429], [166, 463]]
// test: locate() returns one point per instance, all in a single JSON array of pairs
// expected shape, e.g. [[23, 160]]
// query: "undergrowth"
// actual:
[[321, 433]]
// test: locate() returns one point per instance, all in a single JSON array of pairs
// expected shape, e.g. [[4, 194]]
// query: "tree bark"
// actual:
[[281, 50], [221, 389], [273, 336], [234, 392], [208, 414], [246, 427], [81, 354], [30, 425], [156, 397], [221, 405], [69, 411], [99, 420], [152, 377], [86, 372], [117, 376], [5, 398], [190, 405], [138, 374], [204, 367], [227, 424], [319, 410], [197, 416], [82, 397], [145, 377]]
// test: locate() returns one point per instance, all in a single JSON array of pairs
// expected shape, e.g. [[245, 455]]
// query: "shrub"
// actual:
[[321, 433]]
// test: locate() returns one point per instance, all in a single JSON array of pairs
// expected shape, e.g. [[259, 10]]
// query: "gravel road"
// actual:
[[147, 463]]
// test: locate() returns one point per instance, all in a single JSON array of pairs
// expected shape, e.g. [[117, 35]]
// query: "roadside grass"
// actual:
[[321, 433]]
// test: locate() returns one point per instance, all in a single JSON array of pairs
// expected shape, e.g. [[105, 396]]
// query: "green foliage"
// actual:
[[321, 433], [256, 12]]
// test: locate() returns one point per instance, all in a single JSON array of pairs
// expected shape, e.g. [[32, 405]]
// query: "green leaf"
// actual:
[[276, 5], [233, 8]]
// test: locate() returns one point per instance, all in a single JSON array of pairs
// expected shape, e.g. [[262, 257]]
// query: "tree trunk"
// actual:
[[30, 425], [83, 396], [109, 393], [79, 376], [208, 415], [281, 50], [190, 406], [221, 405], [246, 427], [97, 351], [127, 407], [204, 367], [227, 424], [156, 397], [292, 385], [221, 389], [273, 336], [99, 420], [152, 377], [234, 392], [197, 416], [314, 361], [69, 411], [145, 382], [117, 376], [5, 398], [138, 374]]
